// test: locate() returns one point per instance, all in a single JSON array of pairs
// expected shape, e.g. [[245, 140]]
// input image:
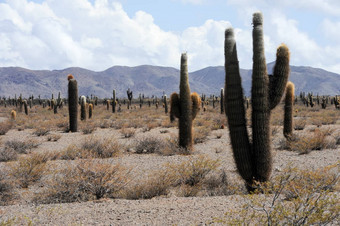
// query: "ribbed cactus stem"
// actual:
[[114, 101], [185, 119], [73, 104], [83, 108], [165, 104], [90, 110], [260, 104], [288, 111], [235, 109]]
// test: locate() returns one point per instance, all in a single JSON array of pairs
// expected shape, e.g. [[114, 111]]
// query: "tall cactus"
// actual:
[[73, 103], [184, 106], [253, 160], [222, 101], [83, 108], [25, 106], [114, 101], [288, 115]]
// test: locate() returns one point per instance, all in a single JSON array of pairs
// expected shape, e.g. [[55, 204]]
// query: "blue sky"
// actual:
[[98, 34]]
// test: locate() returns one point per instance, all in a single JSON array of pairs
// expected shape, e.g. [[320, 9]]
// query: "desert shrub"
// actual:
[[106, 123], [88, 128], [149, 144], [41, 131], [101, 148], [127, 132], [5, 127], [191, 174], [303, 144], [158, 183], [29, 169], [152, 144], [6, 189], [21, 147], [201, 134], [53, 137], [295, 197], [87, 180], [91, 147], [299, 124], [8, 154]]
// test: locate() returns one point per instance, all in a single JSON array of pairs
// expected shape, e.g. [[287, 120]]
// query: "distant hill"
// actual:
[[150, 80]]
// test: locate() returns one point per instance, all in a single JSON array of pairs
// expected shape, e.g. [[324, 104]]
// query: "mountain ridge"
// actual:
[[150, 80]]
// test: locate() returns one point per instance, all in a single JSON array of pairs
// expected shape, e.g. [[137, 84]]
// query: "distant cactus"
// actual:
[[253, 160], [83, 108], [13, 115], [90, 110], [288, 113], [165, 104], [130, 96], [114, 101], [25, 107], [73, 103], [184, 106]]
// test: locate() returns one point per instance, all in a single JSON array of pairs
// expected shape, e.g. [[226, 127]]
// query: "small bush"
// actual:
[[29, 169], [307, 143], [6, 189], [157, 183], [41, 131], [101, 148], [149, 145], [85, 181], [128, 132], [5, 127], [21, 147], [53, 137], [299, 124], [296, 197], [88, 128], [8, 154], [201, 134]]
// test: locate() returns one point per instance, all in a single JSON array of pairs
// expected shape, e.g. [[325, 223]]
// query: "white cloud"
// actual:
[[98, 36]]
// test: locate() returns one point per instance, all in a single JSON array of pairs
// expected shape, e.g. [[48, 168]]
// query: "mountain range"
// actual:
[[149, 80]]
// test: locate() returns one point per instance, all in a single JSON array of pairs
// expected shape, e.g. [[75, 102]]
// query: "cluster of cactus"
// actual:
[[185, 107], [253, 160]]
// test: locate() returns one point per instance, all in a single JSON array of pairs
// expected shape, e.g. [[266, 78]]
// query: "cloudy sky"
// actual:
[[98, 34]]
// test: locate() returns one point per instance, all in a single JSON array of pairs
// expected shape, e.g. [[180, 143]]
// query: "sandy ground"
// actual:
[[160, 210]]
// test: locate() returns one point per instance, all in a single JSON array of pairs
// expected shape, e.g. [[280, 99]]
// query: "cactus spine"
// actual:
[[184, 106], [253, 160], [114, 101], [83, 108], [288, 113], [73, 103]]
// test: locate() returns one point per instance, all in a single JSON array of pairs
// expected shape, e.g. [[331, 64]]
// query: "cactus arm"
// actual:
[[174, 106], [196, 102], [260, 104], [235, 111], [278, 80]]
